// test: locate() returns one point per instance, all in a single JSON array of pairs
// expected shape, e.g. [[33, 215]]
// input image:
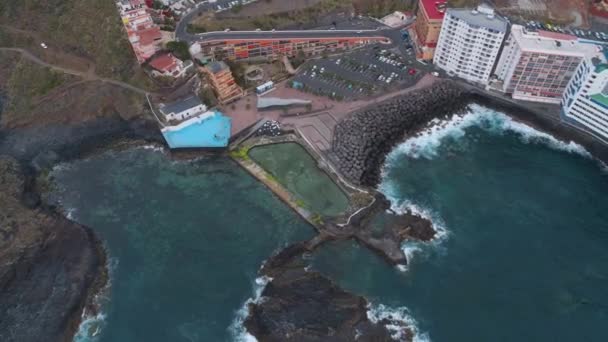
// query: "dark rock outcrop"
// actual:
[[300, 305], [50, 266], [362, 140]]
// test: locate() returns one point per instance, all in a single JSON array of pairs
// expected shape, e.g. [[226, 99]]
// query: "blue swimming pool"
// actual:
[[211, 130]]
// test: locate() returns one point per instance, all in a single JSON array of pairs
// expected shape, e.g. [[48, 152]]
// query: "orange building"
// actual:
[[223, 83], [428, 25]]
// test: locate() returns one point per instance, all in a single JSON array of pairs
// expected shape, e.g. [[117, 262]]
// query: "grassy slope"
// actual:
[[84, 28], [27, 82], [76, 31]]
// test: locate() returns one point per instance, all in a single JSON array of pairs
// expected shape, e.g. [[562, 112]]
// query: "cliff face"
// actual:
[[49, 266]]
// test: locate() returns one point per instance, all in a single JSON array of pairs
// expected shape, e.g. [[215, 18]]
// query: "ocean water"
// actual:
[[185, 241], [523, 249]]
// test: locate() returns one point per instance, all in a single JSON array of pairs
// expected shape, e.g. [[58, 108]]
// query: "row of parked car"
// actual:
[[602, 36]]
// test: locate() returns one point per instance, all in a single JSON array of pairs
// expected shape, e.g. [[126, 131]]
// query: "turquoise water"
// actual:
[[186, 240], [210, 132], [523, 254], [297, 171]]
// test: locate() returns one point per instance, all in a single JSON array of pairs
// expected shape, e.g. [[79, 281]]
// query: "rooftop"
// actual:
[[544, 43], [149, 35], [482, 17], [164, 62], [215, 67], [435, 9], [181, 105]]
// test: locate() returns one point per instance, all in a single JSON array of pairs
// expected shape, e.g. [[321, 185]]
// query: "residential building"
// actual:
[[225, 87], [469, 43], [537, 65], [428, 25], [166, 64], [274, 48], [585, 101], [183, 109], [144, 35]]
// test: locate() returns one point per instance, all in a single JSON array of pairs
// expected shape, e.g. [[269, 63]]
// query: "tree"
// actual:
[[179, 49]]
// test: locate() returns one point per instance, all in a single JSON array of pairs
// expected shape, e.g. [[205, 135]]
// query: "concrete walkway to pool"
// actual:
[[316, 128]]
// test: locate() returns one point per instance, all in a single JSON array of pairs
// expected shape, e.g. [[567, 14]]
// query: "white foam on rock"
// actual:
[[91, 326], [398, 318], [426, 143], [237, 329]]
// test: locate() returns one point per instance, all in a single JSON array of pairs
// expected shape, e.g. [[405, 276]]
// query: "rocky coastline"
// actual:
[[41, 250], [52, 268], [302, 305], [362, 140]]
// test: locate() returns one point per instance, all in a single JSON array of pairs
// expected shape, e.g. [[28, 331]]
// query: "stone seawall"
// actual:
[[362, 140]]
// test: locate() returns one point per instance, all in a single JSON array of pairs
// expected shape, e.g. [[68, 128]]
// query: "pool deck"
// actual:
[[317, 128]]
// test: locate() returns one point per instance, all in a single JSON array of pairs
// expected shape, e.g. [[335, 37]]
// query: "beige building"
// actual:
[[428, 25], [225, 87]]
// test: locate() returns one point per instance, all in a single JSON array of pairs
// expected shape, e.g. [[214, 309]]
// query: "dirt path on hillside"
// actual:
[[88, 75]]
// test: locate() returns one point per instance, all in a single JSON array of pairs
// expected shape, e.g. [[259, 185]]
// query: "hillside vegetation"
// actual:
[[83, 28]]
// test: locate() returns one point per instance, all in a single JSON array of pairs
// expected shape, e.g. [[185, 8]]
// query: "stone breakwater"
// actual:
[[362, 140]]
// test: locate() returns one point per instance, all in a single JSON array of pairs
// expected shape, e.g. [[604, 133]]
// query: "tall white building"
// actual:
[[469, 43], [537, 65], [585, 101]]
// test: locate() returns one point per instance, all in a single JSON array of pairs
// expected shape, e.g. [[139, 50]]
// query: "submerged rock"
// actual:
[[49, 266]]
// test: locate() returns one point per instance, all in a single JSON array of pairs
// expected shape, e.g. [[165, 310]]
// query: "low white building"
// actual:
[[183, 109], [585, 101], [469, 43]]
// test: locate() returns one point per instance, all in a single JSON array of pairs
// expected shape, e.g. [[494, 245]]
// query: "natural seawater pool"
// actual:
[[523, 253], [185, 241], [297, 171]]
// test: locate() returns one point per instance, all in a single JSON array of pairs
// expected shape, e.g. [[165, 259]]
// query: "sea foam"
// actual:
[[425, 144], [91, 325], [398, 318], [237, 329]]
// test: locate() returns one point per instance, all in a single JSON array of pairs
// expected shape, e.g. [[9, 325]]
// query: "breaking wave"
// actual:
[[92, 324], [398, 319], [237, 329], [426, 143]]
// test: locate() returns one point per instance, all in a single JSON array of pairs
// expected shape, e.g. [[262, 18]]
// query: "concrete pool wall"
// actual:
[[357, 198]]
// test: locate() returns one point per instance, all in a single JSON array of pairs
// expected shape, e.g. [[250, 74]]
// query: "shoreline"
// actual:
[[139, 132]]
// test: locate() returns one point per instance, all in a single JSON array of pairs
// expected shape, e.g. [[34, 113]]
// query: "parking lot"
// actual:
[[358, 75], [581, 33]]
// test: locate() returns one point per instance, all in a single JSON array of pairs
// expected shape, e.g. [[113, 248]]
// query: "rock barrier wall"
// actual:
[[362, 140]]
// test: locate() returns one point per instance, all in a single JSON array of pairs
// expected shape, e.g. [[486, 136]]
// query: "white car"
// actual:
[[435, 73], [44, 46]]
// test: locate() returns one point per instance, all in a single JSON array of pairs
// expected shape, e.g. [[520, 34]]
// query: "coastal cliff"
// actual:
[[50, 265], [363, 139]]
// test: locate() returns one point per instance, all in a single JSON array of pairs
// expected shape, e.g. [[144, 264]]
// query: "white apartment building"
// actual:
[[537, 65], [469, 43], [585, 101]]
